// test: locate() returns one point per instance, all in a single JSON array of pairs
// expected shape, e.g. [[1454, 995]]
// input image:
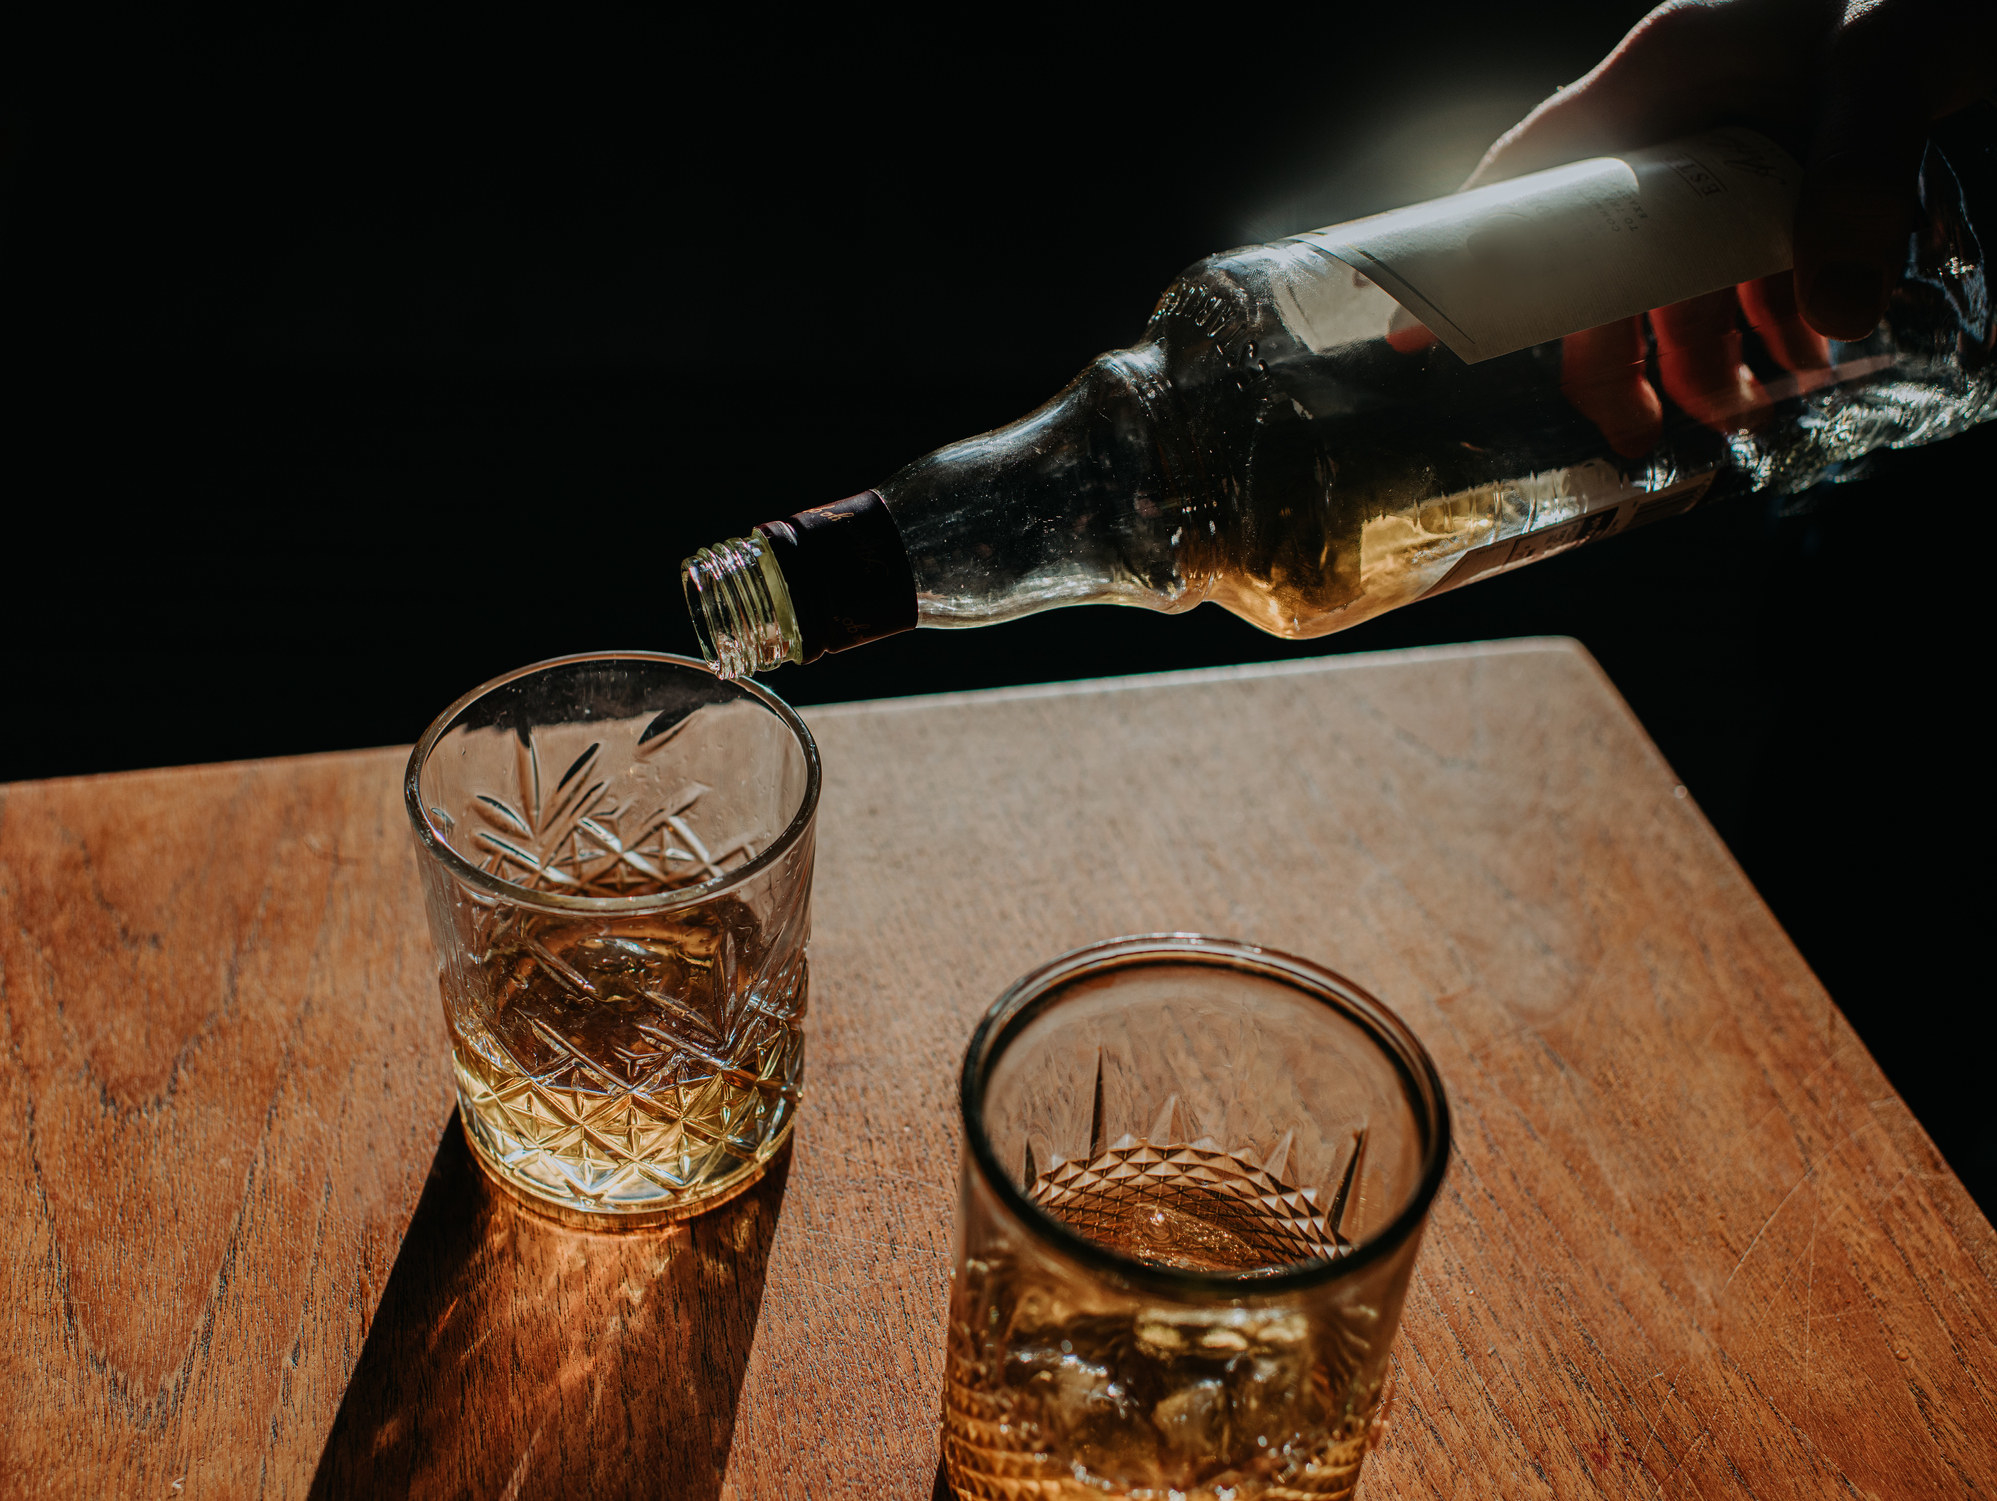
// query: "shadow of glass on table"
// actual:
[[513, 1357]]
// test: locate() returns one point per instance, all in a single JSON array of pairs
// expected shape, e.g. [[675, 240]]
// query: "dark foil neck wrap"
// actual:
[[847, 573]]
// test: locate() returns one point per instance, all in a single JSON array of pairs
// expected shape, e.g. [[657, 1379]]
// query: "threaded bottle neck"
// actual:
[[741, 607]]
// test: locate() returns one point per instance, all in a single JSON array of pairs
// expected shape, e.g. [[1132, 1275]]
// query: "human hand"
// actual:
[[1851, 87]]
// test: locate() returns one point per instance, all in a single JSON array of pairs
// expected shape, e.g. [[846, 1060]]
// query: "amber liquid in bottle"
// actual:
[[1276, 443]]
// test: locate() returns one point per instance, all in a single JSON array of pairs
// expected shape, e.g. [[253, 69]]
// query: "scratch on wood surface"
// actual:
[[1690, 1450], [512, 1491], [1795, 1188], [1810, 1282], [1837, 1051], [1898, 1184], [1783, 1107], [1652, 1435]]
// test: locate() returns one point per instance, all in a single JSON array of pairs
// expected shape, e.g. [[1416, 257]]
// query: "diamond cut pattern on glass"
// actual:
[[625, 1063], [694, 1118], [1189, 1204], [1052, 1391], [1192, 1204], [581, 838]]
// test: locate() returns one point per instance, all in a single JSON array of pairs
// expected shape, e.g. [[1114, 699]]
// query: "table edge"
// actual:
[[1561, 646]]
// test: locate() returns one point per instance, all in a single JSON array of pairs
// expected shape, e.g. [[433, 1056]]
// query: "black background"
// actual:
[[356, 360]]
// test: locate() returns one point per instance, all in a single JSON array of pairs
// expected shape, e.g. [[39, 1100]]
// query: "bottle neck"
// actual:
[[823, 580], [1084, 501], [741, 607]]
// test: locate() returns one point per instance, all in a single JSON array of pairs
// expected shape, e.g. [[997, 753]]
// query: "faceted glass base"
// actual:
[[630, 1213]]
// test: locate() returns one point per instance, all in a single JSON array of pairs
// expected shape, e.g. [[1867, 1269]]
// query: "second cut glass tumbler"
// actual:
[[1196, 1174], [617, 855]]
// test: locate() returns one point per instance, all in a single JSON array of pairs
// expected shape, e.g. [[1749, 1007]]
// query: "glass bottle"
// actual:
[[1291, 441]]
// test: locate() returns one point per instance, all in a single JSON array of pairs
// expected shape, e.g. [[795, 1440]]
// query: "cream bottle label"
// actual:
[[1512, 264]]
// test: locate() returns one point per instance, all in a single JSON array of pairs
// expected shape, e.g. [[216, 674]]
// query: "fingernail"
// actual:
[[1845, 299]]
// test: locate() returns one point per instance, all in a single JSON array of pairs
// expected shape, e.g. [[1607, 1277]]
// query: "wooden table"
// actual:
[[1691, 1242]]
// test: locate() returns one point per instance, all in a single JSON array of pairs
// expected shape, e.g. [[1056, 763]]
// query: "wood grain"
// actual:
[[1691, 1242], [513, 1357], [223, 1081]]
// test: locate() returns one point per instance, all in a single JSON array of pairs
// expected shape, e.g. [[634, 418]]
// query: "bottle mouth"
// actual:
[[741, 607]]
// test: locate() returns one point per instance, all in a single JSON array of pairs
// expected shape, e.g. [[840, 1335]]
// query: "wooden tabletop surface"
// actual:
[[1691, 1243]]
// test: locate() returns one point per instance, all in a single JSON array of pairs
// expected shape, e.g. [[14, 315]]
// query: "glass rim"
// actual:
[[1027, 997], [452, 859]]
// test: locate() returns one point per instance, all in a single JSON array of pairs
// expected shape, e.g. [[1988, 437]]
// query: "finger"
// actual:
[[1891, 72], [1770, 305], [1681, 67], [1852, 218], [1407, 334], [1601, 375], [1698, 361]]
